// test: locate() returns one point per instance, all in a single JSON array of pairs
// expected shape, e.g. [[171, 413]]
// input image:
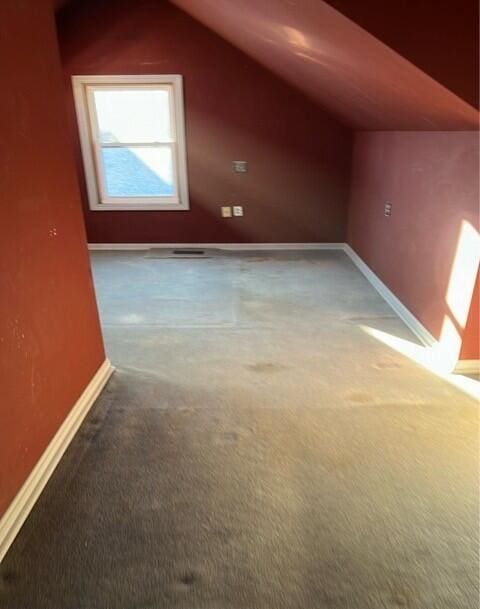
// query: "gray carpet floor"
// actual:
[[255, 449]]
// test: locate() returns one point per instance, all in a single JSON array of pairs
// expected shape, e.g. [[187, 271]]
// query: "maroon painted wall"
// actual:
[[296, 189], [438, 36], [471, 336], [432, 181], [50, 340]]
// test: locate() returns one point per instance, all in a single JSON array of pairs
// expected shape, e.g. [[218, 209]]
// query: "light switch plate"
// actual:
[[226, 212], [237, 210], [240, 166]]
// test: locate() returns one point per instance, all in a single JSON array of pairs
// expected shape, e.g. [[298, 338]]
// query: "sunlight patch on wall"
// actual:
[[458, 298], [442, 357], [463, 273], [428, 357]]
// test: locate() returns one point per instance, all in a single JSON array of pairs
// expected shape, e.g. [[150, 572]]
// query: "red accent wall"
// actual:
[[419, 30], [50, 340], [432, 181], [299, 157], [471, 336]]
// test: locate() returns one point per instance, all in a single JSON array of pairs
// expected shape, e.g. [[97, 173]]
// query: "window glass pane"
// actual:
[[139, 172], [133, 115]]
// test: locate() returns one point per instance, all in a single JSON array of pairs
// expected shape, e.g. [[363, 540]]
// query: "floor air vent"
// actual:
[[184, 252], [189, 252]]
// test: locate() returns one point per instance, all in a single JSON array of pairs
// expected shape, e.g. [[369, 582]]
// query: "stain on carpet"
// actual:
[[266, 367], [188, 578], [387, 365]]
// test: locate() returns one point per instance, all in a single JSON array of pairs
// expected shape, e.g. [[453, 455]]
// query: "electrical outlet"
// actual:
[[226, 212], [237, 210], [388, 209]]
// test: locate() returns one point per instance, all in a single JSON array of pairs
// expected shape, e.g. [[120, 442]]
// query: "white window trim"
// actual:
[[181, 201]]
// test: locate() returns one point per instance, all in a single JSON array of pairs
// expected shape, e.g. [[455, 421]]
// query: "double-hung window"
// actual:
[[133, 141]]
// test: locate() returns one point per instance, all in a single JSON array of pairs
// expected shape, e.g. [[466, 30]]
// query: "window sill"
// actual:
[[140, 207]]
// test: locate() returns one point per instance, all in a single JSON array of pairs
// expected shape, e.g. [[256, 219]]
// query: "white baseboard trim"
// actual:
[[467, 366], [21, 506], [400, 309], [460, 367], [223, 246]]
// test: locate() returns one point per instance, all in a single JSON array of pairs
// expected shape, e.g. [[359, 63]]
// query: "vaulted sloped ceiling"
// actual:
[[366, 83], [346, 69]]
